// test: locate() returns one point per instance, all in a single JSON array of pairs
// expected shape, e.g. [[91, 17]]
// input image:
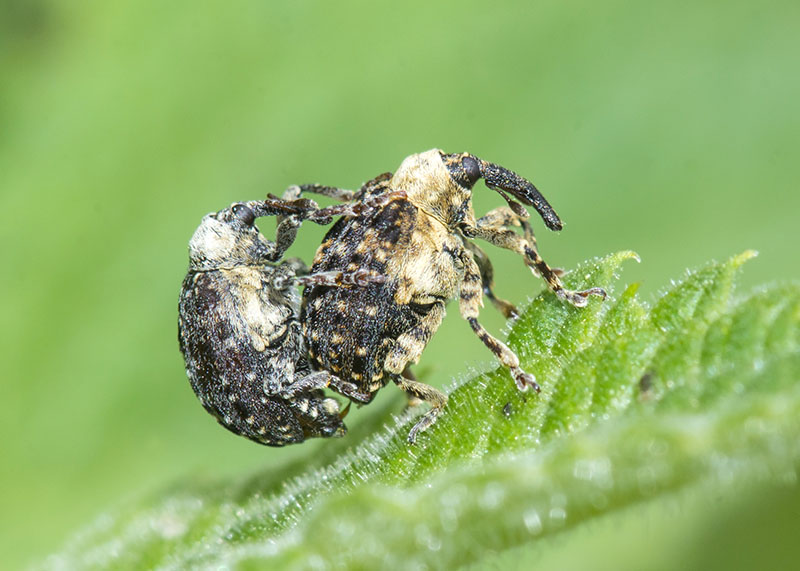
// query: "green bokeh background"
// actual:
[[669, 128]]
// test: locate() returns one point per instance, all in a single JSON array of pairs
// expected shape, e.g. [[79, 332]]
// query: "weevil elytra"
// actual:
[[422, 244], [238, 321]]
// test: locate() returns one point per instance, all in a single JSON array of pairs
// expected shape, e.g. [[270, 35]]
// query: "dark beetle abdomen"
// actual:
[[349, 331]]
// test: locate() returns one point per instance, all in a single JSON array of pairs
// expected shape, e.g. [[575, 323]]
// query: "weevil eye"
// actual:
[[244, 213], [464, 168], [472, 169]]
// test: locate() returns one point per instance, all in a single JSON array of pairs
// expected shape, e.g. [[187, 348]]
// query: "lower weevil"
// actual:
[[421, 243], [238, 322]]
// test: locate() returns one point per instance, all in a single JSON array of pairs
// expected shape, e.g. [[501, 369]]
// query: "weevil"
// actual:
[[238, 326], [422, 244]]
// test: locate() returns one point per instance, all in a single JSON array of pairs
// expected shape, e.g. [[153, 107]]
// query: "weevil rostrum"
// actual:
[[422, 244], [238, 325]]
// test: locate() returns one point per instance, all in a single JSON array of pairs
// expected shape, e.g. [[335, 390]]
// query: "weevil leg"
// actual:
[[295, 191], [288, 225], [362, 277], [285, 275], [298, 266], [374, 186], [312, 381], [350, 390], [507, 308], [408, 346], [503, 217], [322, 380], [356, 208], [377, 185], [412, 399], [427, 393], [305, 209], [407, 349], [504, 237], [285, 235], [469, 305]]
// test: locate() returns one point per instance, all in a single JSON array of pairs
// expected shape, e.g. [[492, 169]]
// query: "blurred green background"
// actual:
[[670, 128]]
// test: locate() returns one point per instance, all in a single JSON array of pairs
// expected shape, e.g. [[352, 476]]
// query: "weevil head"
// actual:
[[228, 239], [467, 169], [431, 187], [441, 184]]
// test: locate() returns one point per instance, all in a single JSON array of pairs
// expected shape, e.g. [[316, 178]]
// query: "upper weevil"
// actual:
[[421, 244], [238, 322]]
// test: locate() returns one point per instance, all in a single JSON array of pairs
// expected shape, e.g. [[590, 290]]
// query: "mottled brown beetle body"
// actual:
[[353, 335], [420, 242], [239, 328]]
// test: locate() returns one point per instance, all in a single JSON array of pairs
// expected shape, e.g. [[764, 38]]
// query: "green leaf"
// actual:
[[700, 390]]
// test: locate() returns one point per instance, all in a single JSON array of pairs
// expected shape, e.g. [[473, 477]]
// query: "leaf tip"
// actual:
[[745, 256], [625, 255], [632, 288]]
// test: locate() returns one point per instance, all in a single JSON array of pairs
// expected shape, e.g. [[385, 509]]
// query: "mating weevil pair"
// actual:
[[375, 295]]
